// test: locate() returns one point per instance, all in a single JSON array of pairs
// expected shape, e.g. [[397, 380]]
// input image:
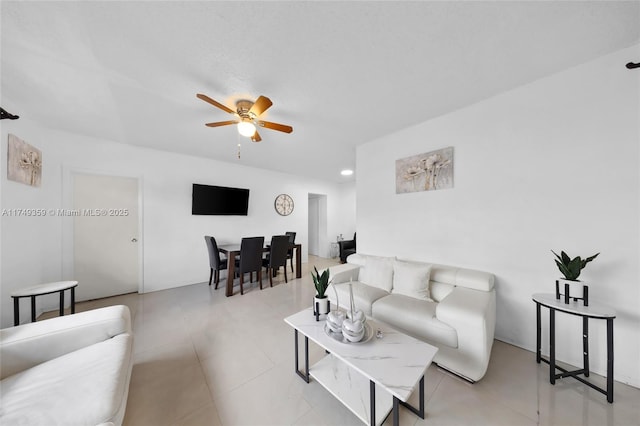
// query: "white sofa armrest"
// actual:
[[473, 314], [27, 345], [465, 307], [342, 273]]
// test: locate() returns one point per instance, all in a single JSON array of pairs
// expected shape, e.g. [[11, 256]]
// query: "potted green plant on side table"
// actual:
[[320, 301], [571, 268]]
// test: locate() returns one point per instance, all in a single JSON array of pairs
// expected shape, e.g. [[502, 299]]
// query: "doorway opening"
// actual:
[[318, 242]]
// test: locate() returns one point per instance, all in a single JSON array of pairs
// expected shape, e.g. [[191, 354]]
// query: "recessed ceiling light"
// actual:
[[346, 172]]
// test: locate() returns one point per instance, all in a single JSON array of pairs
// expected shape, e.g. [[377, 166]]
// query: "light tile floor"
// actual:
[[205, 359]]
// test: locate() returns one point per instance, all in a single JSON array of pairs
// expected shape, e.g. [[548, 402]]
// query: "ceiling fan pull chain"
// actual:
[[238, 151]]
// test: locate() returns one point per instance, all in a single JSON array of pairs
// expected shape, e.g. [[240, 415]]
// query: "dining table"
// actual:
[[233, 250]]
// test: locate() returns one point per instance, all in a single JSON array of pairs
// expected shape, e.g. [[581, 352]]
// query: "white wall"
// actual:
[[551, 165], [346, 210], [37, 249]]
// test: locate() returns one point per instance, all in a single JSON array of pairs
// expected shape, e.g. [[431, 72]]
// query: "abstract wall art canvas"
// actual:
[[24, 162], [425, 172]]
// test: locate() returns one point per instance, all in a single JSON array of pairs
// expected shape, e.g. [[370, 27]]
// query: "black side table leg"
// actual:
[[585, 345], [33, 309], [73, 300], [62, 303], [539, 332], [16, 311], [610, 360], [552, 346]]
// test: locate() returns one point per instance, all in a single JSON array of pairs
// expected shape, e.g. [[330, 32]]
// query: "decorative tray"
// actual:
[[368, 334]]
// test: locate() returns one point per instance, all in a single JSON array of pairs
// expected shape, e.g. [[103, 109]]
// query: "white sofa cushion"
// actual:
[[87, 386], [411, 279], [363, 295], [377, 272], [438, 291], [415, 317], [469, 278]]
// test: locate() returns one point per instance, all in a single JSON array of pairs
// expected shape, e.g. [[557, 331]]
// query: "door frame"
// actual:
[[313, 235], [68, 173]]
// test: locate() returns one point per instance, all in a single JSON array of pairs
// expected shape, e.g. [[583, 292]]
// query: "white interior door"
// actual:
[[105, 235]]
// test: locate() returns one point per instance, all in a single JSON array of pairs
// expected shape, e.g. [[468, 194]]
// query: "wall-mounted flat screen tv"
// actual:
[[219, 200]]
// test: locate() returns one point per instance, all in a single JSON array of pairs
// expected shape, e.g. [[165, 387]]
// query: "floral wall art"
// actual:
[[24, 162], [425, 172]]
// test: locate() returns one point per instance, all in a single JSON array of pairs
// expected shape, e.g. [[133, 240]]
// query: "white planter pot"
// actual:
[[321, 304], [576, 288]]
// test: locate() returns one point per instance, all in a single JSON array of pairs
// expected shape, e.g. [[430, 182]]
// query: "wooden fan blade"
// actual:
[[221, 123], [256, 137], [275, 126], [260, 105], [215, 103]]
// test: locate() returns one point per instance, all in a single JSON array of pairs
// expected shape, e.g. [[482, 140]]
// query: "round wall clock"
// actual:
[[284, 204]]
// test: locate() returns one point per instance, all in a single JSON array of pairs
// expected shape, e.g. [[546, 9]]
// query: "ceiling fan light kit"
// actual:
[[247, 113], [246, 128]]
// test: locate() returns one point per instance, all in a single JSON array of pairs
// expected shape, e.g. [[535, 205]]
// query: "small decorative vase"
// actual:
[[353, 330], [353, 326], [336, 318], [356, 315], [576, 290], [320, 307]]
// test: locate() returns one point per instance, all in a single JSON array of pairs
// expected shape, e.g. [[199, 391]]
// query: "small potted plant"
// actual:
[[320, 301], [570, 269]]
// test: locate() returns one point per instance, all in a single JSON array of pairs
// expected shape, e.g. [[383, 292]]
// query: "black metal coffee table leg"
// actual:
[[304, 376], [417, 411]]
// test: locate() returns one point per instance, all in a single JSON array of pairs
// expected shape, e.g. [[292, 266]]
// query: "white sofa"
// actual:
[[449, 307], [70, 370]]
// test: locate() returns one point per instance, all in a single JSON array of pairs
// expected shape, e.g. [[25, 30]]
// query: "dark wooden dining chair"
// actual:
[[292, 240], [251, 250], [277, 256], [215, 262]]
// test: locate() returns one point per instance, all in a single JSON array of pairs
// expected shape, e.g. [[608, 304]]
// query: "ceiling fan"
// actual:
[[247, 116]]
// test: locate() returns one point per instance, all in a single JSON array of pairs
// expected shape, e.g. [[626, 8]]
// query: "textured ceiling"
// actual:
[[341, 73]]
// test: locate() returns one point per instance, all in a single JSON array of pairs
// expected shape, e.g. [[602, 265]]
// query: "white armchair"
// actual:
[[67, 370]]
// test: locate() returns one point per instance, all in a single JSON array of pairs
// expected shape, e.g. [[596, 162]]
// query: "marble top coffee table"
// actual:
[[387, 368]]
